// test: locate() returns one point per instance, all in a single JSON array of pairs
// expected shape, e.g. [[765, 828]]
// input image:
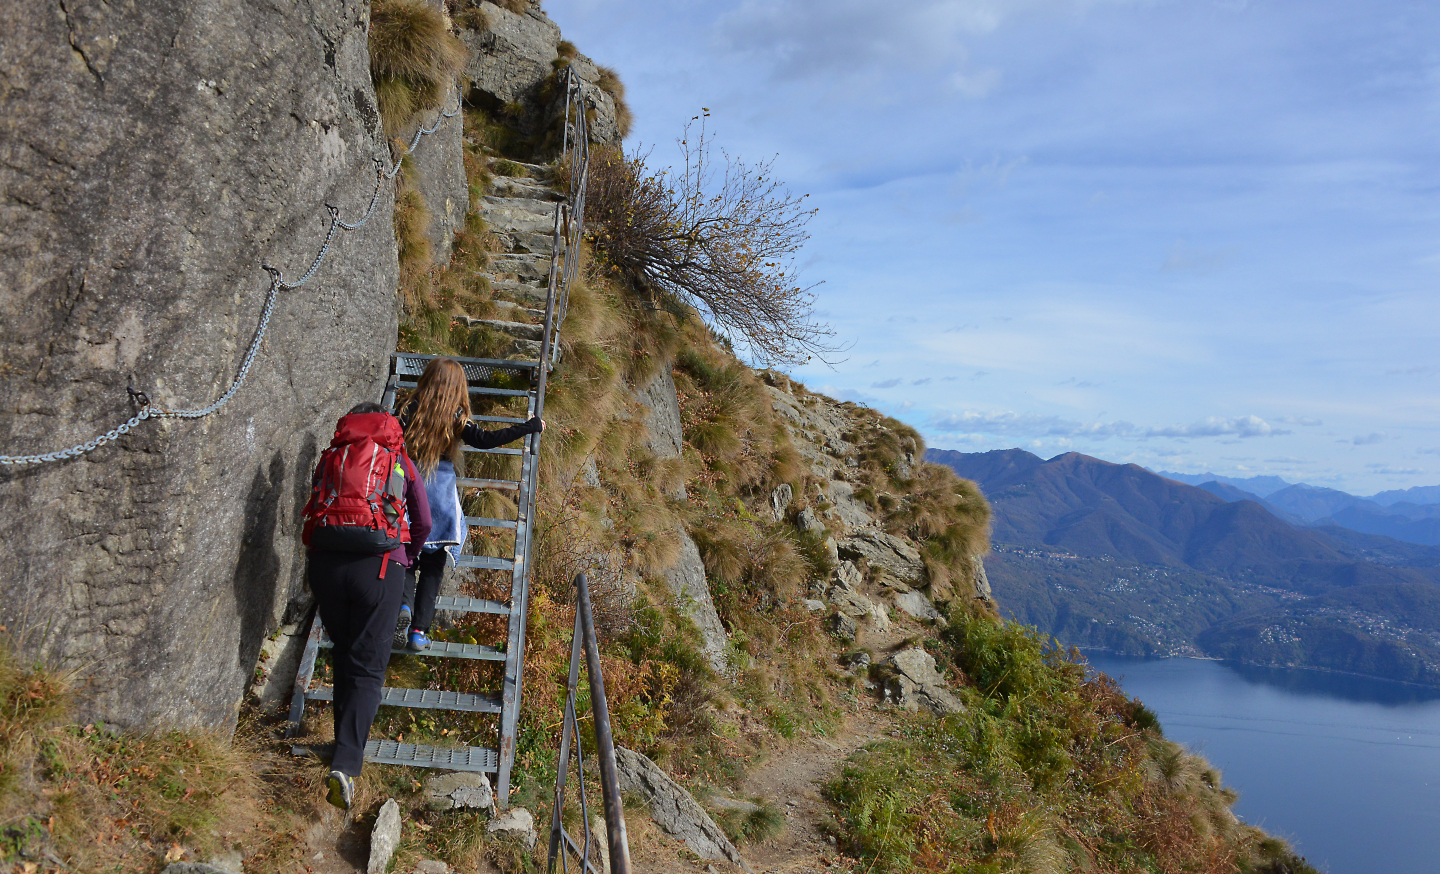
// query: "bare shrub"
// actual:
[[720, 238]]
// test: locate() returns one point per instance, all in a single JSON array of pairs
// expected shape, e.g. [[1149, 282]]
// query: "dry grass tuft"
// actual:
[[414, 59], [610, 83]]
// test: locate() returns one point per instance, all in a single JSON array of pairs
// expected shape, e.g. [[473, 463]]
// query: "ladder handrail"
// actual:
[[617, 839]]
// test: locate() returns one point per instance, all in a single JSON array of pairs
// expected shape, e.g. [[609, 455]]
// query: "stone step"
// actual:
[[529, 242], [521, 266], [520, 187], [532, 171], [521, 330], [530, 292], [518, 312], [510, 214]]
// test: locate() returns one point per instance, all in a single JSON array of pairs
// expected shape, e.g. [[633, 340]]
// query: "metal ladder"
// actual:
[[481, 375]]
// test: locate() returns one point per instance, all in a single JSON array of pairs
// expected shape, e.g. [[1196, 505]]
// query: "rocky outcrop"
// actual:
[[892, 555], [155, 156], [457, 789], [665, 433], [692, 594], [511, 57], [673, 809], [915, 683]]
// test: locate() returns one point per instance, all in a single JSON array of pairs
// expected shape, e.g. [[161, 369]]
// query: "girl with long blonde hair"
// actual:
[[436, 421]]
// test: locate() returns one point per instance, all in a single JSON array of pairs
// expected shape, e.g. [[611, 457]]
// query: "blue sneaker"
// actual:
[[418, 640], [341, 789], [402, 627]]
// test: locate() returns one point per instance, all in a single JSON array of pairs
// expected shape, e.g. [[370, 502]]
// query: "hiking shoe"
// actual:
[[418, 640], [341, 788], [402, 627]]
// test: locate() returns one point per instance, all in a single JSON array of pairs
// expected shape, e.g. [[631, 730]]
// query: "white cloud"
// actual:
[[1214, 426], [889, 383], [1033, 424], [1366, 439]]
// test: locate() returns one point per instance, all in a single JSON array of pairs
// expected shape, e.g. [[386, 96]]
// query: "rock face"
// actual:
[[673, 809], [440, 172], [689, 586], [665, 432], [155, 156], [513, 55]]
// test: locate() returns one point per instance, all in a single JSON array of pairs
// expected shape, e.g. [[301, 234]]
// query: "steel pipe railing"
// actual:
[[562, 846]]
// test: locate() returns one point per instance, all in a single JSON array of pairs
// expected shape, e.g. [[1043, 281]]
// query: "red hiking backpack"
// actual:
[[357, 497]]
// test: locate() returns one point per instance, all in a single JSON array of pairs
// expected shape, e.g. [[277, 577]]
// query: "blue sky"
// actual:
[[1199, 236]]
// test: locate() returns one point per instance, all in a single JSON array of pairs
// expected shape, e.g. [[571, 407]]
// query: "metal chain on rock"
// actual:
[[277, 283]]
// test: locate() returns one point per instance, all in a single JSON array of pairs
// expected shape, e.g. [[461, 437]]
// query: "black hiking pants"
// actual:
[[358, 607], [422, 587]]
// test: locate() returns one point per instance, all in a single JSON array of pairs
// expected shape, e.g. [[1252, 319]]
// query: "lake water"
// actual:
[[1347, 769]]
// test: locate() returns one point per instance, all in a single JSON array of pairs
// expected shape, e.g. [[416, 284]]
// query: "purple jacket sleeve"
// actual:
[[419, 506]]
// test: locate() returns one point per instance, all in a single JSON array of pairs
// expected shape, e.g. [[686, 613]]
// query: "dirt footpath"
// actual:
[[794, 781]]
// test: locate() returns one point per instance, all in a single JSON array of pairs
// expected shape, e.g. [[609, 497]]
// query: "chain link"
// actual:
[[277, 284]]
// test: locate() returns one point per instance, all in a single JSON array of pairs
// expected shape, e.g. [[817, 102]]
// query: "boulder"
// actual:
[[807, 521], [157, 155], [845, 595], [431, 866], [916, 605], [879, 619], [780, 501], [516, 824], [813, 605], [692, 593], [384, 838], [459, 789], [916, 683], [673, 809], [891, 554], [843, 627], [189, 868]]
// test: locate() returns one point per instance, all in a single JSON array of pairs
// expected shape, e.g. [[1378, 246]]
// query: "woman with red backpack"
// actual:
[[365, 523], [436, 421]]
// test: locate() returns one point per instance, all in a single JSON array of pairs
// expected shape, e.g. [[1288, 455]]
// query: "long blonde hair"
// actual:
[[441, 409]]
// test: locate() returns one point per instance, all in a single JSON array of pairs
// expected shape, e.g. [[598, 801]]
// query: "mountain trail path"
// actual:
[[794, 781]]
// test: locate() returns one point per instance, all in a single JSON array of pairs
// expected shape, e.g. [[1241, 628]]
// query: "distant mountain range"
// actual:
[[1116, 556], [1412, 515]]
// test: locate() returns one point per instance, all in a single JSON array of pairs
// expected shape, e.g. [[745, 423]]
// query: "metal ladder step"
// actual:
[[483, 522], [481, 390], [424, 699], [471, 605], [485, 562], [497, 363], [505, 419], [495, 451], [508, 485], [389, 752], [446, 650]]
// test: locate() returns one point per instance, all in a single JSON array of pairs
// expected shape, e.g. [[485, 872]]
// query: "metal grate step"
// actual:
[[481, 390], [496, 451], [388, 752], [413, 364], [508, 485], [505, 419], [483, 522], [471, 605], [446, 650], [424, 699], [485, 562]]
